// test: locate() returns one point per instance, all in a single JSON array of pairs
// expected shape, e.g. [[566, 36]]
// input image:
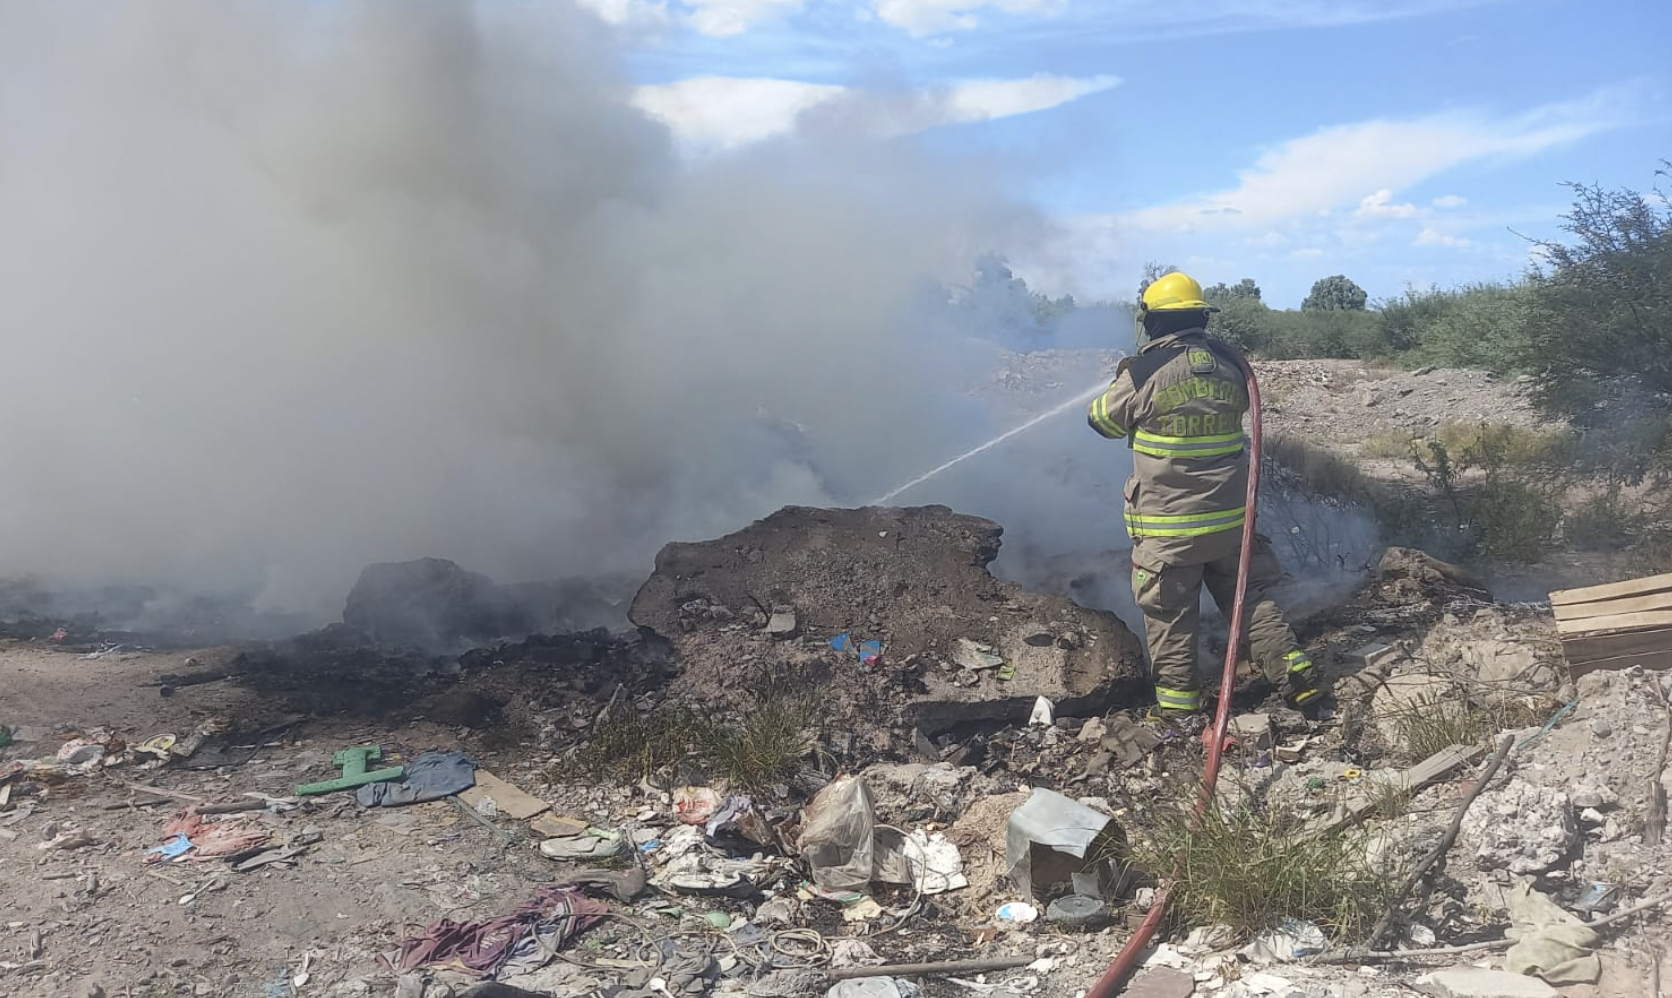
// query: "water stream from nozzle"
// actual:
[[1001, 438]]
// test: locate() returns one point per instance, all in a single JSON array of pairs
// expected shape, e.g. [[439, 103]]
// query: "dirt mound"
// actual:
[[914, 580]]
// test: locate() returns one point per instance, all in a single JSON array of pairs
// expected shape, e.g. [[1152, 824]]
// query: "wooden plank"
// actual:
[[1648, 660], [1645, 621], [1611, 590], [1590, 648], [508, 800], [1431, 770], [1601, 608]]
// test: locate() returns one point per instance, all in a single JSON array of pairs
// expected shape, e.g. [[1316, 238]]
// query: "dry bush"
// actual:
[[1250, 866]]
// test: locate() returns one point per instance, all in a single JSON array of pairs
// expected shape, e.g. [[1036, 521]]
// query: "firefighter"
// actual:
[[1179, 405]]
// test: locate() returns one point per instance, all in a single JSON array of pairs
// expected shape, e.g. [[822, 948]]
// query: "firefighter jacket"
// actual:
[[1179, 406]]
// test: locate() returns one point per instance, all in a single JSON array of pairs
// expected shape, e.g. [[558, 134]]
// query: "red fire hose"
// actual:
[[1115, 976]]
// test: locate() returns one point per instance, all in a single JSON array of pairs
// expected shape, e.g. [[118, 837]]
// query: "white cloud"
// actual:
[[929, 17], [717, 18], [631, 14], [1327, 170], [1430, 236], [982, 100], [1450, 201], [1382, 205], [723, 112], [723, 18]]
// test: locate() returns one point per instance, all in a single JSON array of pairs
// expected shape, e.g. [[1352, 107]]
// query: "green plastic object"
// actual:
[[353, 763]]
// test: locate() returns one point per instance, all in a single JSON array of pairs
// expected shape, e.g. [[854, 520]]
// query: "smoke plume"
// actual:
[[295, 287]]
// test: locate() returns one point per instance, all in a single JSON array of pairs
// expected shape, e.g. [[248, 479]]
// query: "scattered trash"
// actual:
[[80, 752], [851, 953], [501, 796], [868, 652], [623, 885], [527, 938], [5, 735], [1550, 943], [1017, 912], [1075, 911], [158, 747], [1206, 939], [1292, 753], [843, 845], [304, 974], [688, 866], [353, 762], [1052, 840], [975, 656], [1042, 713], [868, 987], [174, 848], [738, 826], [1292, 939], [778, 910], [594, 843], [556, 826], [695, 805], [75, 838], [1598, 899], [935, 863], [431, 776], [1253, 731], [209, 839], [863, 910]]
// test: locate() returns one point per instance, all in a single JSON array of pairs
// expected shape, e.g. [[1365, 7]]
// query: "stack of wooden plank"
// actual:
[[1618, 625]]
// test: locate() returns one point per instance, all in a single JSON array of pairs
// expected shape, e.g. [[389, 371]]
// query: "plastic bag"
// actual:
[[841, 843]]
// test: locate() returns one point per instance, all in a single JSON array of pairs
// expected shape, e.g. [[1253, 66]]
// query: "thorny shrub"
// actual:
[[1501, 486]]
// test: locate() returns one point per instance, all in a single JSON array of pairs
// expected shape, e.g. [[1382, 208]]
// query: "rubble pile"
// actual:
[[893, 608]]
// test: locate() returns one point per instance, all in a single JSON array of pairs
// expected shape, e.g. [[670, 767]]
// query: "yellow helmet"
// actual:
[[1174, 292]]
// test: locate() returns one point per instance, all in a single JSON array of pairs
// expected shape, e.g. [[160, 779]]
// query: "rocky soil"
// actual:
[[1342, 402]]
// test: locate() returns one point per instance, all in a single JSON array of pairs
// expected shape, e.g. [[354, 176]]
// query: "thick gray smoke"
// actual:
[[295, 287]]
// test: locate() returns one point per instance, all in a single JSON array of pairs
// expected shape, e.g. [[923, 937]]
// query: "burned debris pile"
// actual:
[[895, 609], [839, 758]]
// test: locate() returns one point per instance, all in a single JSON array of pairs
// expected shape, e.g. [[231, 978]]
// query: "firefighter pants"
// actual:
[[1171, 598]]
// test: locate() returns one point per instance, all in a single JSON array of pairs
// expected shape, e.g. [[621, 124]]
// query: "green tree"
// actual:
[[1244, 322], [1244, 289], [1335, 294], [1601, 318]]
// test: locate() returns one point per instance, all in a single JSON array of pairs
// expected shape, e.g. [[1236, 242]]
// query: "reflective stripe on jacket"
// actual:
[[1179, 405]]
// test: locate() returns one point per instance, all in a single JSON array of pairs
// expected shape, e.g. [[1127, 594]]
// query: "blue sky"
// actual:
[[1397, 141]]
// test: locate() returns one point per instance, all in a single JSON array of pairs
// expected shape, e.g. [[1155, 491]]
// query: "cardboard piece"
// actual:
[[508, 800]]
